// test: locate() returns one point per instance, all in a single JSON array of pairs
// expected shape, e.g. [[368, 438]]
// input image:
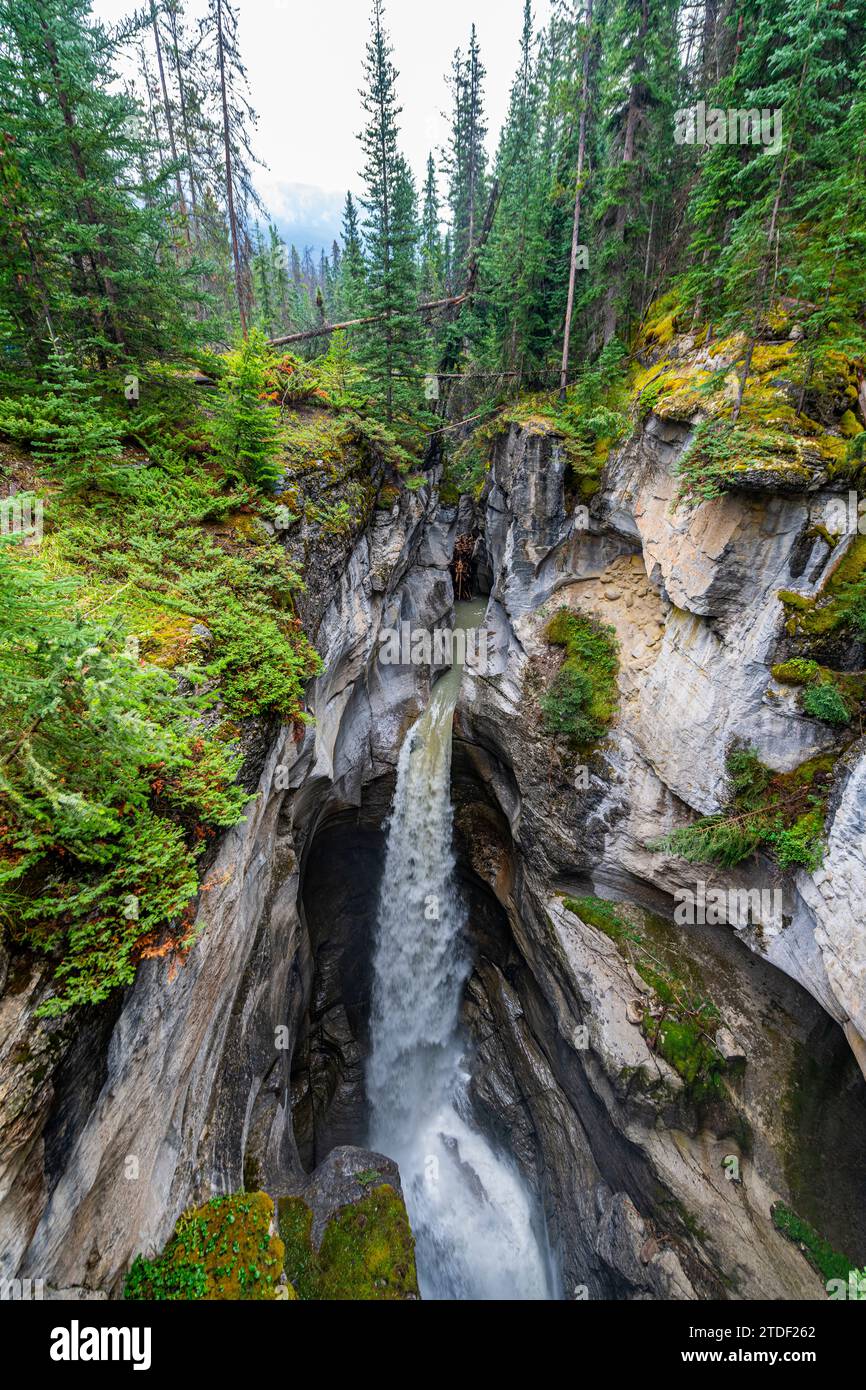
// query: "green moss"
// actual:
[[795, 672], [824, 696], [367, 1251], [780, 813], [582, 699], [222, 1250], [829, 1263], [660, 321], [849, 425], [841, 602], [296, 1223], [679, 1021]]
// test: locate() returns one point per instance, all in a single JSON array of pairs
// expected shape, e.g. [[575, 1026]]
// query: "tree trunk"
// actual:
[[172, 19], [181, 201], [230, 192], [610, 307], [575, 228]]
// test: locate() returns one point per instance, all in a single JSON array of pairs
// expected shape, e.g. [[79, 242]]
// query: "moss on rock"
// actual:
[[367, 1250], [582, 698], [679, 1020], [222, 1250]]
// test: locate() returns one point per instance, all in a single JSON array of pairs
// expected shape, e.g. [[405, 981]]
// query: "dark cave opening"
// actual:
[[340, 882]]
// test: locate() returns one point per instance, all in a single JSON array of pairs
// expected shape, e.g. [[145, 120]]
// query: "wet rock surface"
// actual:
[[244, 1065]]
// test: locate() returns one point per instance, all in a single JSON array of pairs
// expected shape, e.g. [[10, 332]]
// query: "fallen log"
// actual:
[[429, 307]]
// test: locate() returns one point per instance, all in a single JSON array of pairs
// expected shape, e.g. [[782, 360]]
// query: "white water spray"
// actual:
[[470, 1211]]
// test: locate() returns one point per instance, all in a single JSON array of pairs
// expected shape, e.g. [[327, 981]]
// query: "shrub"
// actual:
[[824, 702], [65, 426], [779, 812], [245, 430], [110, 787], [582, 698]]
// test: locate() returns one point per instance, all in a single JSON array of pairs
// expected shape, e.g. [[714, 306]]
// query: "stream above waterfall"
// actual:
[[478, 1234]]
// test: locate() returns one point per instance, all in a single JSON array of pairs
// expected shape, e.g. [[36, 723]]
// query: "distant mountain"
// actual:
[[304, 214]]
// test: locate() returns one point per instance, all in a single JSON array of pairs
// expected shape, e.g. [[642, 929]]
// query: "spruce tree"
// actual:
[[86, 238], [391, 350]]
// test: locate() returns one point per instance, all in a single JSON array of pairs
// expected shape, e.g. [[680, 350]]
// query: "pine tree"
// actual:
[[432, 263], [390, 351], [86, 240], [352, 273], [263, 284], [245, 429], [465, 158], [515, 252]]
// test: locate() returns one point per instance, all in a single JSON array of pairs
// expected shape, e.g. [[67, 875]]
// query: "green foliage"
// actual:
[[705, 465], [829, 1263], [823, 701], [797, 671], [245, 430], [781, 813], [161, 555], [582, 699], [592, 419], [391, 352], [87, 255], [366, 1252], [679, 1021], [110, 789], [222, 1250], [65, 424]]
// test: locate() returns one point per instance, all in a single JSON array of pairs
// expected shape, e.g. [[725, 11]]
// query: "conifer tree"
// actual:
[[391, 352], [432, 264], [86, 238], [351, 277]]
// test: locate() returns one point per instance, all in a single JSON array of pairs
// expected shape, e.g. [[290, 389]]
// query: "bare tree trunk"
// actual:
[[168, 118], [230, 192], [610, 309], [575, 227], [172, 19]]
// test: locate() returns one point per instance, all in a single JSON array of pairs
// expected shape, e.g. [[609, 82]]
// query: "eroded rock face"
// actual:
[[631, 1176], [115, 1121], [243, 1066]]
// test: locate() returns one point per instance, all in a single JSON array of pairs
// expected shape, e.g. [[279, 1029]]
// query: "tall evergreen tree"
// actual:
[[432, 262], [465, 158], [86, 236], [351, 290], [391, 352]]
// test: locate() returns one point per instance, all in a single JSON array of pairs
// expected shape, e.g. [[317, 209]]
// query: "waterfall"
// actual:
[[473, 1219]]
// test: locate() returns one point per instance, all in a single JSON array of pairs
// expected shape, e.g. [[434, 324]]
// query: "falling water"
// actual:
[[470, 1211]]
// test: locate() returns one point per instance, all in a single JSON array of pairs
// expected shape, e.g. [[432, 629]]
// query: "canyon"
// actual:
[[246, 1064]]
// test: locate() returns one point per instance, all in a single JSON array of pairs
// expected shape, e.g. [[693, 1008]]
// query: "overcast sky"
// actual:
[[304, 62]]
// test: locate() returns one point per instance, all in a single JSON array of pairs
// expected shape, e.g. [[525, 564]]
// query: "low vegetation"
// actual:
[[679, 1021], [828, 1262], [222, 1250], [781, 814], [366, 1252], [582, 698]]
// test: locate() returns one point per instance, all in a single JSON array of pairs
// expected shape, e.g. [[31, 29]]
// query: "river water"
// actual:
[[476, 1231]]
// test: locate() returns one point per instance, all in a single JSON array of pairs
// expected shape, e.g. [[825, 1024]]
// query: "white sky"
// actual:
[[304, 63]]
